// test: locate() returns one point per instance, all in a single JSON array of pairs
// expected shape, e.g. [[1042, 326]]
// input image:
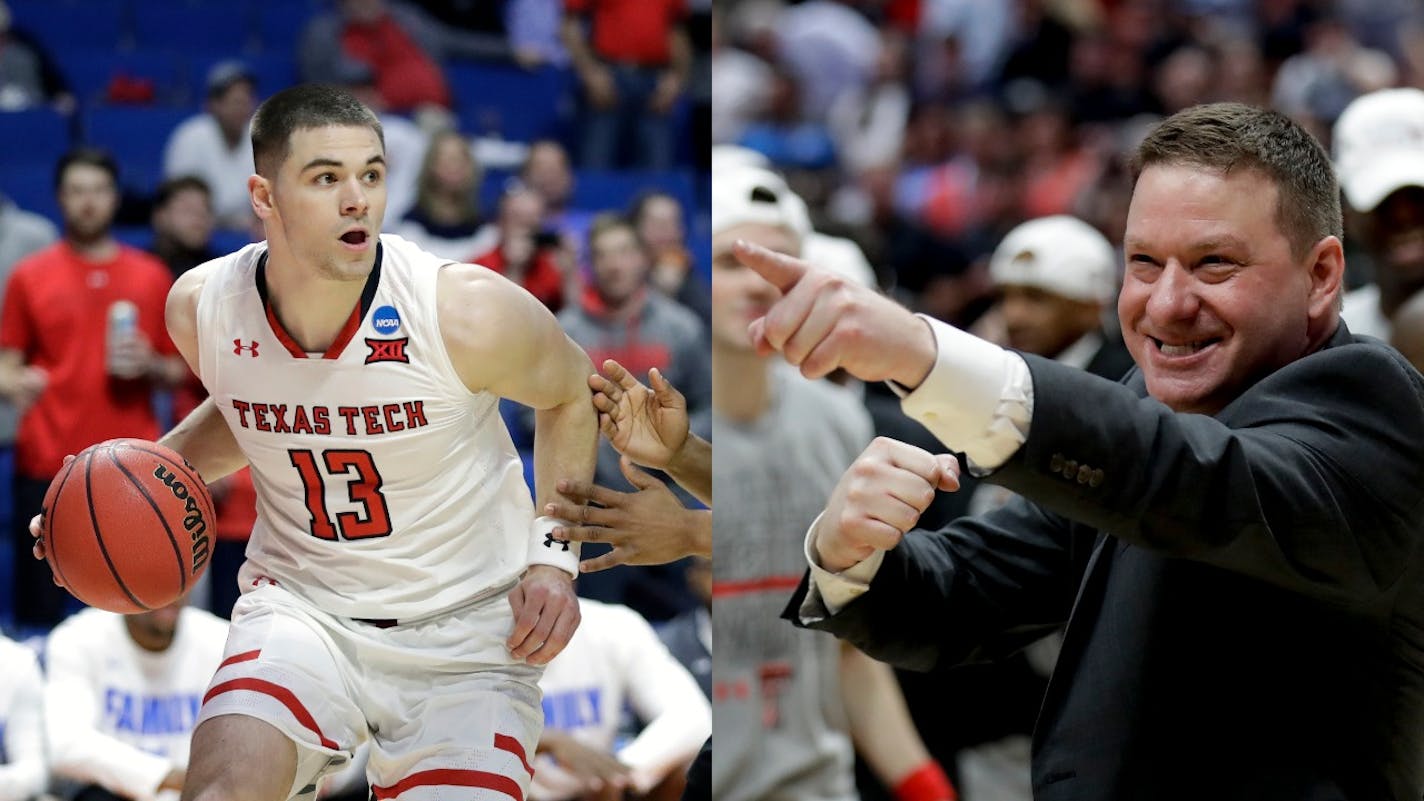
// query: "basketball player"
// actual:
[[360, 376], [23, 773], [122, 695]]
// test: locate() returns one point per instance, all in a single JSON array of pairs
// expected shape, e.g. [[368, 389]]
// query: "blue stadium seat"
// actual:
[[280, 25], [62, 25], [32, 136], [617, 189], [90, 72], [31, 186], [196, 28], [514, 103], [136, 137]]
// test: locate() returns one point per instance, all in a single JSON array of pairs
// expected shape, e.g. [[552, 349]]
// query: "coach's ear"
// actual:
[[259, 189]]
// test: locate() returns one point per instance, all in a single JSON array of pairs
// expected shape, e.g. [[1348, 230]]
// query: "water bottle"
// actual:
[[123, 327]]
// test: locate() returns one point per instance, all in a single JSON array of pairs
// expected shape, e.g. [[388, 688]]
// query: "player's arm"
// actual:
[[203, 437], [663, 693], [78, 749], [503, 341], [884, 735], [25, 774]]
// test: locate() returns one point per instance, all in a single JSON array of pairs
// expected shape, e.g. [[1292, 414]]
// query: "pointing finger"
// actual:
[[781, 270]]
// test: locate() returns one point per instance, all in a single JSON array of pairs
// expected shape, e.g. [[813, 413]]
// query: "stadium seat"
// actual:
[[517, 104], [38, 135], [196, 28], [91, 71], [617, 189], [62, 25], [136, 137], [280, 25], [31, 186]]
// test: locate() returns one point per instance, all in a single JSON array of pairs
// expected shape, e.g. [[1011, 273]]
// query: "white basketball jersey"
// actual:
[[385, 488]]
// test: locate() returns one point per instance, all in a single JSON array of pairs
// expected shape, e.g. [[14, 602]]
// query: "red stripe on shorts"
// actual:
[[506, 743], [281, 694], [450, 777], [245, 656], [724, 589]]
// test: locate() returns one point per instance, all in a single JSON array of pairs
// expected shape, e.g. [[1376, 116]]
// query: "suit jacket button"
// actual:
[[1096, 478], [1084, 473], [1056, 463]]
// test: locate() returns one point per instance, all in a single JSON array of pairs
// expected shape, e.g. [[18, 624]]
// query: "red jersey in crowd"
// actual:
[[56, 315], [631, 31]]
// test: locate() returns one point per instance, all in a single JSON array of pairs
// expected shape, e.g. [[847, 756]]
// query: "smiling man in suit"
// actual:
[[1232, 533]]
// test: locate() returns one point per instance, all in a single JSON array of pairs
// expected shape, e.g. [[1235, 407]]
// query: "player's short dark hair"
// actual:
[[170, 189], [1235, 136], [90, 157], [300, 108]]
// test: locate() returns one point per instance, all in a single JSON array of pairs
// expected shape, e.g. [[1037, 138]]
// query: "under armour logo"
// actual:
[[387, 350], [250, 347], [549, 541]]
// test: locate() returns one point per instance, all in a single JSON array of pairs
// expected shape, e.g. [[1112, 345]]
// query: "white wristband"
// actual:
[[545, 549]]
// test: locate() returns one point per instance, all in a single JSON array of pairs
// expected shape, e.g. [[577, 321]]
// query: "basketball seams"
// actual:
[[162, 519], [99, 536], [181, 464], [53, 553]]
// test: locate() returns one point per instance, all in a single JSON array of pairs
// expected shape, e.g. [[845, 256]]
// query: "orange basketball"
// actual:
[[127, 525]]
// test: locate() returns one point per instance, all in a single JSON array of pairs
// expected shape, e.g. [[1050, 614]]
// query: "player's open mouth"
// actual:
[[356, 239], [1185, 349]]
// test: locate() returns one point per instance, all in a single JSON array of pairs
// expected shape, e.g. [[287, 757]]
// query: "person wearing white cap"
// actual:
[[787, 703], [1379, 156], [1056, 276], [215, 145]]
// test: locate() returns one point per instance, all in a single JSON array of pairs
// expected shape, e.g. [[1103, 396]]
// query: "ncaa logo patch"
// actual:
[[386, 320]]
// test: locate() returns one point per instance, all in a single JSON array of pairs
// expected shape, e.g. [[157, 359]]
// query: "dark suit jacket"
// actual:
[[1244, 594]]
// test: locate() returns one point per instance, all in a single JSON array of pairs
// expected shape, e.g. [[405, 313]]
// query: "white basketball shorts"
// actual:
[[450, 715]]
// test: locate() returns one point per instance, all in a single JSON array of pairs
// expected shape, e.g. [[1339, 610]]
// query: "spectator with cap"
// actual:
[[1056, 278], [215, 145], [1379, 154]]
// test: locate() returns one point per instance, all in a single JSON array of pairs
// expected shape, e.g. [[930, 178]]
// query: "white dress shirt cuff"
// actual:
[[830, 592], [977, 399]]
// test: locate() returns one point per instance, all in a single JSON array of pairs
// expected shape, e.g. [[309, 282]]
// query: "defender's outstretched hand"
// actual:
[[880, 497], [824, 321], [647, 527], [647, 425]]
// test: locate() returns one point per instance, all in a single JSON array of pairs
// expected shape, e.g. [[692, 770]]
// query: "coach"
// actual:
[[1232, 534]]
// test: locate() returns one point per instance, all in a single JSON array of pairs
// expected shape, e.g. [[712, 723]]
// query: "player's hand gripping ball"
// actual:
[[127, 526]]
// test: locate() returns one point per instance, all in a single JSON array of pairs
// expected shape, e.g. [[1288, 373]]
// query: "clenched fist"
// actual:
[[880, 497]]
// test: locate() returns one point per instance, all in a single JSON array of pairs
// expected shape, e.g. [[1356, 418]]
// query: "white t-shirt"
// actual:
[[120, 716], [197, 147], [613, 658], [22, 760]]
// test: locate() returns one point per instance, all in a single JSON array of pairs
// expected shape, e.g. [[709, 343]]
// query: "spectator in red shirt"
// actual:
[[398, 45], [75, 378], [633, 66], [528, 254]]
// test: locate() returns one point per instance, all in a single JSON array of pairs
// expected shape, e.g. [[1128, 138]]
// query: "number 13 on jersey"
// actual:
[[363, 487]]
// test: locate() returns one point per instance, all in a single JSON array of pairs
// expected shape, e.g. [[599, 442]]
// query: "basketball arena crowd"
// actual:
[[967, 158]]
